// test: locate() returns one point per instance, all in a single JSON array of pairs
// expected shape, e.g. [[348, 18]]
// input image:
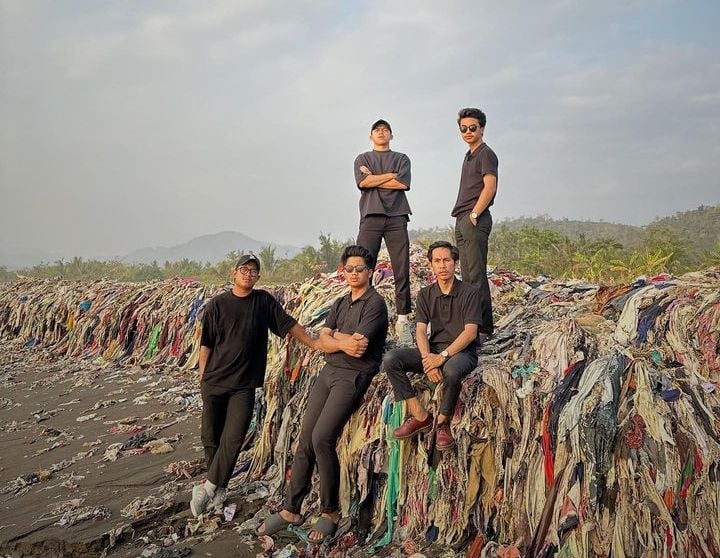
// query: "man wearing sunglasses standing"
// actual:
[[473, 222], [233, 357], [383, 177], [353, 339]]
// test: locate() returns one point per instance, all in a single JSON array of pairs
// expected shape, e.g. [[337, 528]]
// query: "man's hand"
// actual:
[[473, 221], [434, 375], [355, 345], [365, 170], [432, 361]]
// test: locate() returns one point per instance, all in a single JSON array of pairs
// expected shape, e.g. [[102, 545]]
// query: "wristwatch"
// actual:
[[445, 354], [473, 215]]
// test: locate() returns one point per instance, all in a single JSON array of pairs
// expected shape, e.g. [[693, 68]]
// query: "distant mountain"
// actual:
[[211, 248]]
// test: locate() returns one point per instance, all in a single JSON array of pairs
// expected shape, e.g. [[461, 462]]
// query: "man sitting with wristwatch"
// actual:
[[447, 314]]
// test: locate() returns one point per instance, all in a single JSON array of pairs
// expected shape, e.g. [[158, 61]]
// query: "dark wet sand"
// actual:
[[40, 386]]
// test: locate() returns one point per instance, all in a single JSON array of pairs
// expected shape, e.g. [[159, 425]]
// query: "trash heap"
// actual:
[[591, 426]]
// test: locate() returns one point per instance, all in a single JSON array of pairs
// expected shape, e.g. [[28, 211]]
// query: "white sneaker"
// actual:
[[218, 500], [199, 501], [403, 330]]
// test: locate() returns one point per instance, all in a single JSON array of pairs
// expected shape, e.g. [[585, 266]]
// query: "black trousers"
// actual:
[[398, 362], [373, 228], [226, 418], [472, 241], [332, 400]]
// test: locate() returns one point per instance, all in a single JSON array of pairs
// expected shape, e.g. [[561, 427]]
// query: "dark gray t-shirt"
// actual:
[[448, 314], [379, 201], [367, 315], [475, 165]]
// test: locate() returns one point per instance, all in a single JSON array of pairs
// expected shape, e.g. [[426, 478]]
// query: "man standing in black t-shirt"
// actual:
[[473, 222], [451, 309], [233, 357], [353, 339], [383, 177]]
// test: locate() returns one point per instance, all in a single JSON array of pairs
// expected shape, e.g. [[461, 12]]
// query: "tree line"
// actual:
[[527, 250], [309, 261]]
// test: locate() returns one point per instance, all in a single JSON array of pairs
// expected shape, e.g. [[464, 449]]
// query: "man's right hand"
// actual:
[[355, 345]]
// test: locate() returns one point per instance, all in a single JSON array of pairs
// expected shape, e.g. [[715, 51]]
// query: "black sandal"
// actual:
[[326, 527], [276, 523]]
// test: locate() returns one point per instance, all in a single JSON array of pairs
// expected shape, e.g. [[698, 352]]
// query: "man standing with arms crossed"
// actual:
[[383, 177], [450, 310], [233, 357], [473, 222]]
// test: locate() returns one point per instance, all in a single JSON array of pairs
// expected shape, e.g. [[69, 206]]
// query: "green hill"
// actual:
[[627, 235], [700, 227]]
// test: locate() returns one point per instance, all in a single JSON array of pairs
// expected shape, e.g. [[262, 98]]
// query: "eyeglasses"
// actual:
[[351, 268], [472, 128], [248, 271]]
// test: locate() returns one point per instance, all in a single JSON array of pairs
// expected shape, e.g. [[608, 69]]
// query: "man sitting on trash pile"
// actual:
[[447, 313], [353, 339], [233, 357]]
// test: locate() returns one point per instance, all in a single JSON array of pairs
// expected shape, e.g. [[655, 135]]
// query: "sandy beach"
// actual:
[[57, 420]]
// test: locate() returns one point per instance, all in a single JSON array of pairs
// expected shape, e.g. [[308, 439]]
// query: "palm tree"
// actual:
[[267, 259], [330, 251]]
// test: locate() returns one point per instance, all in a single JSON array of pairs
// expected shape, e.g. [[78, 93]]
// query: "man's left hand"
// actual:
[[434, 375], [365, 170]]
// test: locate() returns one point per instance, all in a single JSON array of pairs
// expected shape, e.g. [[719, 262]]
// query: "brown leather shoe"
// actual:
[[413, 426], [443, 438]]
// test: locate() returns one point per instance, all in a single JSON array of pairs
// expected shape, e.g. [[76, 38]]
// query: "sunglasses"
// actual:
[[351, 268], [472, 128], [248, 271]]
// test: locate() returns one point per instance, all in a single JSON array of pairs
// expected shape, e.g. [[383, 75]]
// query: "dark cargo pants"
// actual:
[[373, 228], [472, 241], [332, 400], [398, 362], [226, 416]]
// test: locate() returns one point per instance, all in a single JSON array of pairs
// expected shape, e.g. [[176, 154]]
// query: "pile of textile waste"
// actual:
[[591, 426]]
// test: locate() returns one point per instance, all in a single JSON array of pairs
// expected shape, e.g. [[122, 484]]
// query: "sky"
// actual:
[[132, 124]]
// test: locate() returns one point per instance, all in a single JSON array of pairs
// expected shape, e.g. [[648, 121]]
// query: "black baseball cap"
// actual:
[[381, 122], [245, 258]]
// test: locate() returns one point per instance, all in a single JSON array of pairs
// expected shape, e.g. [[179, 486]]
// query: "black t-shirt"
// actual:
[[236, 331], [366, 315], [380, 201], [448, 314], [475, 165]]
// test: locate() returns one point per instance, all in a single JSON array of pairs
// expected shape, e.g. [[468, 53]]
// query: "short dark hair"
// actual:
[[454, 252], [475, 113], [356, 251]]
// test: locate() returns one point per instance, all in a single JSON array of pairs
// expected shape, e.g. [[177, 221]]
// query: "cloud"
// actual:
[[127, 128]]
